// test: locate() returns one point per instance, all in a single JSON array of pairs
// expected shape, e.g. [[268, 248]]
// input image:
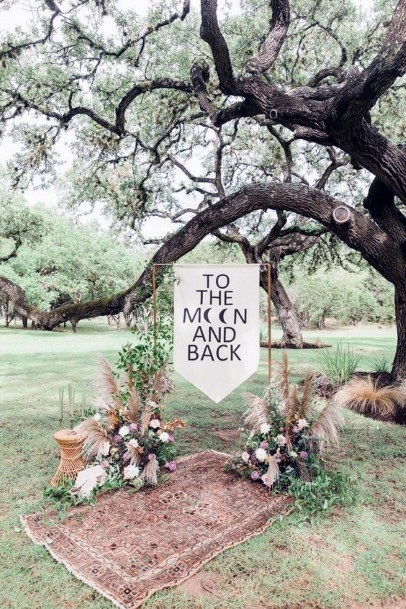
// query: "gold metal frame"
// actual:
[[269, 287]]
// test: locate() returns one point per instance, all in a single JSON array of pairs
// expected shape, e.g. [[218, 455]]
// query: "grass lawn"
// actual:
[[346, 560]]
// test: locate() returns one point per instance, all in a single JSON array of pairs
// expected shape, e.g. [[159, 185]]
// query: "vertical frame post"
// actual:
[[269, 322], [154, 311]]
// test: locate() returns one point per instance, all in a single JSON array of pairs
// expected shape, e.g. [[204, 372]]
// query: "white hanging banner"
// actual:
[[216, 333]]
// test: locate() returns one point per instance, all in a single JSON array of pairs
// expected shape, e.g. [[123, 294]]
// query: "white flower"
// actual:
[[261, 454], [245, 457], [124, 431], [281, 440], [301, 424], [133, 443], [265, 428], [155, 423], [104, 449], [293, 454], [87, 480], [164, 436], [131, 472], [97, 417]]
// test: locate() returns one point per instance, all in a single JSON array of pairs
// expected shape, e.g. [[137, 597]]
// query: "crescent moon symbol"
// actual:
[[206, 315], [221, 316]]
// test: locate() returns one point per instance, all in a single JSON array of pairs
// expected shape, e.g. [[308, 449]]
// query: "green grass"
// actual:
[[351, 556]]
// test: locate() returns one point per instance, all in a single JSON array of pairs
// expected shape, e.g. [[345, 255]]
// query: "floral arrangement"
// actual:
[[285, 432], [128, 441]]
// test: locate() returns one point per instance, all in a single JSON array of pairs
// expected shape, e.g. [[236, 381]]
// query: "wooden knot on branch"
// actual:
[[341, 214]]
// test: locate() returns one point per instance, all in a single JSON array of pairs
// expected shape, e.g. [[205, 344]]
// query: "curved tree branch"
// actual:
[[362, 91], [359, 233], [269, 49], [210, 32]]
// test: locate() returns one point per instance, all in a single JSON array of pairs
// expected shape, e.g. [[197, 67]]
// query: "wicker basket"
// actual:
[[71, 463]]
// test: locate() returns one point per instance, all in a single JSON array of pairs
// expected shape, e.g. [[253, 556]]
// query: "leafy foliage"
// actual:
[[144, 358], [340, 363], [325, 490], [59, 262]]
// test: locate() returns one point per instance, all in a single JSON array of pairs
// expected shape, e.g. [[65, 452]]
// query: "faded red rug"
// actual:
[[132, 544]]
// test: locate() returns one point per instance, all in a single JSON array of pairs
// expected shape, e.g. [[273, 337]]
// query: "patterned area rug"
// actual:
[[132, 544]]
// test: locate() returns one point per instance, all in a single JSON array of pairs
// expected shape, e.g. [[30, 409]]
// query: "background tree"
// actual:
[[126, 111], [58, 263]]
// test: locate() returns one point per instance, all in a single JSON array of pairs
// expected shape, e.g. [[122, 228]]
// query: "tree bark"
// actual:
[[399, 363], [292, 335]]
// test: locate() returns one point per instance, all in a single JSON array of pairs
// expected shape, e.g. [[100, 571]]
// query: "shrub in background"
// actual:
[[340, 363], [363, 396]]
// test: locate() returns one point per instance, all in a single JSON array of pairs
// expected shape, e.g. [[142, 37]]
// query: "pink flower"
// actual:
[[117, 438], [104, 464], [255, 475], [303, 455], [151, 457], [133, 427], [171, 438], [170, 466], [264, 444]]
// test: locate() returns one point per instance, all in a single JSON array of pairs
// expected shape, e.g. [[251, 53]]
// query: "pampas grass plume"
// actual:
[[363, 396]]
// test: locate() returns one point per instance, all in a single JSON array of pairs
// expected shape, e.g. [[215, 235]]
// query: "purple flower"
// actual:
[[303, 455], [171, 438], [133, 427], [264, 444], [151, 457], [170, 466], [255, 475], [117, 439]]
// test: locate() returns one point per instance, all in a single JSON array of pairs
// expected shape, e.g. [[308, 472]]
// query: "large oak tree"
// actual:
[[138, 120]]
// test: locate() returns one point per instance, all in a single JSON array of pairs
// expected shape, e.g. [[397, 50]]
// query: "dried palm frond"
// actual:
[[307, 394], [257, 412], [161, 383], [150, 472], [283, 384], [95, 438], [135, 454], [113, 417], [364, 397], [272, 473], [325, 427], [107, 385], [145, 419], [133, 406], [293, 405], [171, 425]]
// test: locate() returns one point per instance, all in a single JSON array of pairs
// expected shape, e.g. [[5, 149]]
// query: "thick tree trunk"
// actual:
[[399, 363], [292, 335]]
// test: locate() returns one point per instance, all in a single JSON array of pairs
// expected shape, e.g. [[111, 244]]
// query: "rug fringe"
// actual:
[[69, 568], [281, 507]]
